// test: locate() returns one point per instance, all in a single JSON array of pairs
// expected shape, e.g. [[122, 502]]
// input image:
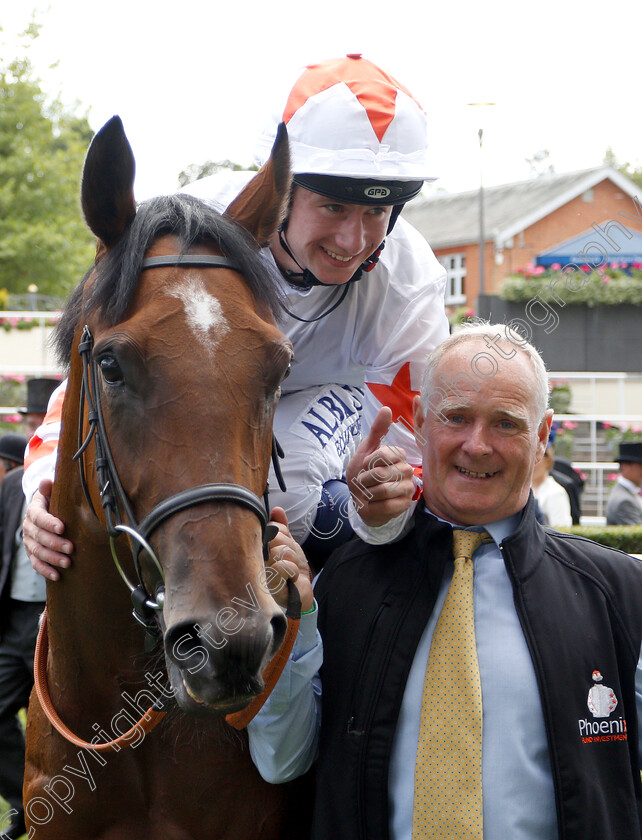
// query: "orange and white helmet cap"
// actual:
[[346, 117]]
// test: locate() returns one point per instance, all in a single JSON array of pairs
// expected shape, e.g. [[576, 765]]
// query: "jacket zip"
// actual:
[[545, 702], [361, 769]]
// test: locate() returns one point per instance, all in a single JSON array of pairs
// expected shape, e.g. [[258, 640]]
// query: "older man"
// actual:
[[492, 697]]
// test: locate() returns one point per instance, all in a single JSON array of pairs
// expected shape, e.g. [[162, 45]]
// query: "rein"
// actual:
[[156, 712], [117, 508]]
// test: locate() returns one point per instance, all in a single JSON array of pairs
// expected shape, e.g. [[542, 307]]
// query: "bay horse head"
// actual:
[[179, 378]]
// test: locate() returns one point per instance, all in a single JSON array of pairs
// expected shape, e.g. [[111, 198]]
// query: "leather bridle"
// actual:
[[119, 516]]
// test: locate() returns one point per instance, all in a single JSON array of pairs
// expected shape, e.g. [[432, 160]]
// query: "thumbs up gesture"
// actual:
[[380, 477]]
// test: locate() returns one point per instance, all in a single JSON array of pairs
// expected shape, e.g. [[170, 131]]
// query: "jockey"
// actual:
[[362, 299]]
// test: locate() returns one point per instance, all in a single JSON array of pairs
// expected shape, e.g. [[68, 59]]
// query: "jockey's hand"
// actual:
[[42, 532], [287, 557], [380, 477]]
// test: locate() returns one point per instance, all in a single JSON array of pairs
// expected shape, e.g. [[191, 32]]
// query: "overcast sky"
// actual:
[[193, 80]]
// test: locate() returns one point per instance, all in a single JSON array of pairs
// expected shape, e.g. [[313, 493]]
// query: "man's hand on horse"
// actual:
[[380, 477], [287, 557], [42, 532]]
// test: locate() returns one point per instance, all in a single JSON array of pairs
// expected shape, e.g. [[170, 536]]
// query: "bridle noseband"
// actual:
[[119, 516]]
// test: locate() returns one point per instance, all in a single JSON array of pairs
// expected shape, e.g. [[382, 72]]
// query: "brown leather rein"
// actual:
[[155, 713]]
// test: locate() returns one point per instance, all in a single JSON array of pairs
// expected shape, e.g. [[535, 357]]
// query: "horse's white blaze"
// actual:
[[204, 312]]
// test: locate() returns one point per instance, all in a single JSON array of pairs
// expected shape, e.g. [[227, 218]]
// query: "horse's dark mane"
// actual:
[[193, 222]]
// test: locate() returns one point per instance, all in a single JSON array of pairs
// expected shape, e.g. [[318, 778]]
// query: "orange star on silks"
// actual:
[[398, 396]]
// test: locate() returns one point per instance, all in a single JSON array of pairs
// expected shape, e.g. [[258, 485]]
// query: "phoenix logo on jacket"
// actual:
[[601, 703]]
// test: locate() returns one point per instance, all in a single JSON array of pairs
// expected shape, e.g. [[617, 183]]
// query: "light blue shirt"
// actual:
[[518, 793], [284, 735], [26, 583]]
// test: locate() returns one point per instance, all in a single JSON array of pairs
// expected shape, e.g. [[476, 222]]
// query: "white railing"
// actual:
[[597, 398], [615, 393]]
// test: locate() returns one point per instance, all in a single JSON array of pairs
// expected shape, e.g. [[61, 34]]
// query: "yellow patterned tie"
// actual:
[[448, 781]]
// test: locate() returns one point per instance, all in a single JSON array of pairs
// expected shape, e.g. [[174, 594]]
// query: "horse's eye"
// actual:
[[110, 370], [284, 375]]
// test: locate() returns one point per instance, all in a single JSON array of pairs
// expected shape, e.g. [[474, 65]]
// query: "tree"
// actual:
[[43, 238], [540, 164], [196, 171], [635, 174]]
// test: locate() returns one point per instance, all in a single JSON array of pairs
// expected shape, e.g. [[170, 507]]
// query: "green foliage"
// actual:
[[560, 397], [13, 393], [196, 171], [43, 238], [634, 173], [540, 164], [602, 286], [617, 433], [25, 324], [627, 538], [461, 315]]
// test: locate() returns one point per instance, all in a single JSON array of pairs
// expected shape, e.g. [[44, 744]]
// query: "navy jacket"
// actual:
[[580, 606], [11, 501]]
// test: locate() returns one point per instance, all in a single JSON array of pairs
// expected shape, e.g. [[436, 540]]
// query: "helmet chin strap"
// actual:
[[305, 279]]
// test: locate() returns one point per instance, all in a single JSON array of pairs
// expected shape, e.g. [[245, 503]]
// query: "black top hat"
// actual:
[[38, 393], [630, 452], [12, 447]]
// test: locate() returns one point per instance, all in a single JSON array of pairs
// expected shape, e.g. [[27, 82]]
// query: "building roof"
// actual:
[[610, 241], [452, 219]]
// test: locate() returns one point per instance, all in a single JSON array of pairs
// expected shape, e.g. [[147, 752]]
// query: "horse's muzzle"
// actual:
[[217, 669]]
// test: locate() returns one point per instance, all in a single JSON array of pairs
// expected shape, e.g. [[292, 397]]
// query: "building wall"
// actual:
[[576, 337], [471, 254], [604, 202]]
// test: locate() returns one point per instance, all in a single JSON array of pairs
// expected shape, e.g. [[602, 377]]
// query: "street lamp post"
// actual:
[[482, 233], [482, 237], [32, 289]]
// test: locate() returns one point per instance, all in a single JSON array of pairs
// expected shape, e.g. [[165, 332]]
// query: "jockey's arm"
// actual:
[[44, 542], [43, 538]]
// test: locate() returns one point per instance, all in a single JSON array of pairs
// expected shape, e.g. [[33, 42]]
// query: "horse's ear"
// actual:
[[107, 192], [261, 205]]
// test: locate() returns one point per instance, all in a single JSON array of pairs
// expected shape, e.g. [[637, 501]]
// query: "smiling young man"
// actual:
[[492, 697], [331, 238]]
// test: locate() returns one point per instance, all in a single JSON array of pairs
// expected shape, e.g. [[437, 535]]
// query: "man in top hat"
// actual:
[[624, 506], [22, 600], [12, 452], [38, 393]]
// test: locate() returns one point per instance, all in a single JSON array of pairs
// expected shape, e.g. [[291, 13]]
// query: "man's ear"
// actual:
[[419, 418], [543, 433]]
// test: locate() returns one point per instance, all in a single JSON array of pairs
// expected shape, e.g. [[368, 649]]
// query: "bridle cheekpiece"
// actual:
[[119, 516]]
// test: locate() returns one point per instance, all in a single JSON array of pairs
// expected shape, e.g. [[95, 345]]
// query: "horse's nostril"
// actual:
[[279, 624], [201, 650], [189, 646]]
